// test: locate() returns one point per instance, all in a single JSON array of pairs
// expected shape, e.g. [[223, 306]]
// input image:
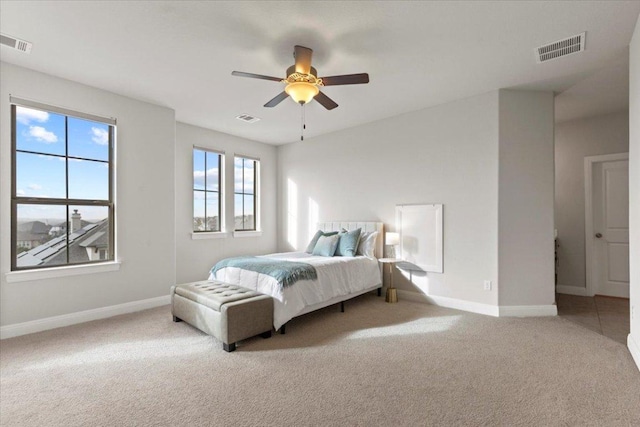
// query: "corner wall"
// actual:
[[576, 139], [145, 203], [634, 191], [194, 258], [525, 212]]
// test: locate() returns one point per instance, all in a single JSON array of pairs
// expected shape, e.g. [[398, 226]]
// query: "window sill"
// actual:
[[52, 273], [209, 235], [247, 233]]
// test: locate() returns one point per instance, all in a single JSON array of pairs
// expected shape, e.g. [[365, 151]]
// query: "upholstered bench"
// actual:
[[228, 312]]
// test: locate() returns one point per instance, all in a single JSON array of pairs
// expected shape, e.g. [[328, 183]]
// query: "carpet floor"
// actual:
[[377, 364]]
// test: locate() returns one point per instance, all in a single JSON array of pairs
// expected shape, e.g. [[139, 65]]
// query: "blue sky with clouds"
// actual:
[[42, 173]]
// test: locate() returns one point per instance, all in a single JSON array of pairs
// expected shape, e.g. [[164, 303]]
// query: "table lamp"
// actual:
[[393, 240]]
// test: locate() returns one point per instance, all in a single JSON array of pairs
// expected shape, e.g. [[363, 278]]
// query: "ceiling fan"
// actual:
[[303, 83]]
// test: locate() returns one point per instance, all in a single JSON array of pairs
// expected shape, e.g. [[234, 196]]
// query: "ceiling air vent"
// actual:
[[14, 43], [561, 48], [247, 118]]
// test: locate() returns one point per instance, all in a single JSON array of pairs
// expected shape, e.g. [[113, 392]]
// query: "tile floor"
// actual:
[[605, 315]]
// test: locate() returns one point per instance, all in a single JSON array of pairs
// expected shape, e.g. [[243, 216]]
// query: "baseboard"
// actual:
[[634, 349], [458, 304], [486, 309], [572, 290], [528, 310], [54, 322]]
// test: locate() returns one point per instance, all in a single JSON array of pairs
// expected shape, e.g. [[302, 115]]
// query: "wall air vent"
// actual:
[[14, 43], [555, 50], [247, 118]]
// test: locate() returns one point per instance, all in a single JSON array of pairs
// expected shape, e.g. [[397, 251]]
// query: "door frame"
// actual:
[[589, 162]]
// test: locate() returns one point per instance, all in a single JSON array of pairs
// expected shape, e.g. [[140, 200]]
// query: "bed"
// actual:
[[338, 278]]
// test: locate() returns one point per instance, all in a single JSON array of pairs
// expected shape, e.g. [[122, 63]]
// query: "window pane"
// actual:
[[198, 211], [198, 170], [88, 139], [41, 235], [39, 131], [238, 218], [249, 220], [40, 175], [237, 174], [88, 180], [88, 233], [249, 168], [213, 167], [212, 212]]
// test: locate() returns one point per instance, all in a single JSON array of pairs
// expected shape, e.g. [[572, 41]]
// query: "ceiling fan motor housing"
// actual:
[[292, 71]]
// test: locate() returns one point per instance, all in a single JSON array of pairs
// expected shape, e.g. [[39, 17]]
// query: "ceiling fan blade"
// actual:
[[255, 76], [277, 100], [303, 59], [347, 79], [325, 101]]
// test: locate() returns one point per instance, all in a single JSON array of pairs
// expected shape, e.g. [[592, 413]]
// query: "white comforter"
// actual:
[[337, 277]]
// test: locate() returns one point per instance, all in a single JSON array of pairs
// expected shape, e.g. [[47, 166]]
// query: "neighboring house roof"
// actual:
[[54, 251], [29, 237], [34, 227], [99, 239]]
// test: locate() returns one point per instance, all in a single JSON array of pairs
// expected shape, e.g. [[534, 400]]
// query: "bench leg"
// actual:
[[379, 292], [229, 347], [282, 329], [342, 307], [177, 319], [266, 334]]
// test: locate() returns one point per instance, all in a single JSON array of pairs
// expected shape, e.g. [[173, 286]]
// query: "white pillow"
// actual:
[[367, 245]]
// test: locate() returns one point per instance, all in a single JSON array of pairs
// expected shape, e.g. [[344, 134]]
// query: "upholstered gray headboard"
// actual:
[[352, 225]]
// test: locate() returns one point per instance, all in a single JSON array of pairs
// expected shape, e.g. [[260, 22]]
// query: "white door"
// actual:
[[610, 234]]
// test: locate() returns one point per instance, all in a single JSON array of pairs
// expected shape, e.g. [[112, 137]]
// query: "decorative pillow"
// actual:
[[312, 243], [367, 245], [348, 243], [326, 245]]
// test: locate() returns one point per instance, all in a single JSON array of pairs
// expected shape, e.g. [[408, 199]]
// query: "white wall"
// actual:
[[196, 257], [575, 140], [145, 202], [634, 190], [525, 213], [446, 154]]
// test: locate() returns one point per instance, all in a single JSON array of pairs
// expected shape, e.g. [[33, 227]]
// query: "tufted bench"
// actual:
[[228, 312]]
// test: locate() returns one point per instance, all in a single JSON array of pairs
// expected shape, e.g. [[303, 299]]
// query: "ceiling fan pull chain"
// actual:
[[303, 125]]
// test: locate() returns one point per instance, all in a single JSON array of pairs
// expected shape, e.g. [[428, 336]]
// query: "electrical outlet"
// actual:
[[487, 285]]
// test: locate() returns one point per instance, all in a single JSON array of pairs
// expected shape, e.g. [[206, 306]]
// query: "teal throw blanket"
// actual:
[[285, 272]]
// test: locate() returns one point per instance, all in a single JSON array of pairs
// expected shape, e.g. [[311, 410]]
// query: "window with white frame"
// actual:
[[62, 198], [246, 172], [208, 169]]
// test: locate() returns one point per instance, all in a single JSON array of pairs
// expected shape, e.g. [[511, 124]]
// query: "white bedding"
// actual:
[[337, 277]]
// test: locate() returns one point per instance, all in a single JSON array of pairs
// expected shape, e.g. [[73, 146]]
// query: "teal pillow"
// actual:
[[348, 243], [326, 245], [312, 243]]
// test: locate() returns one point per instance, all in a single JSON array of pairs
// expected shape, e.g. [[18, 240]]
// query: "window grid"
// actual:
[[244, 193], [56, 201], [205, 192]]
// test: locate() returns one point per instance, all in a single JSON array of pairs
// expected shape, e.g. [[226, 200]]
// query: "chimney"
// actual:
[[76, 222]]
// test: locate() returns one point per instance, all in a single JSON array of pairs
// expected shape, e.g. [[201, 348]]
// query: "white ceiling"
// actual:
[[418, 54]]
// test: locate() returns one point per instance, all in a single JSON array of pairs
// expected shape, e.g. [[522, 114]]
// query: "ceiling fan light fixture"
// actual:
[[302, 92]]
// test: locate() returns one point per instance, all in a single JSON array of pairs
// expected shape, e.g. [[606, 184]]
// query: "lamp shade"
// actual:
[[301, 92], [392, 239]]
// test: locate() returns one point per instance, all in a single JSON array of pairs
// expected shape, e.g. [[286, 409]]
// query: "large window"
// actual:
[[62, 206], [246, 193], [207, 190]]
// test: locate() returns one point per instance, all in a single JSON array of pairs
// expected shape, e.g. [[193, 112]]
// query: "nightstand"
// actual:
[[392, 295]]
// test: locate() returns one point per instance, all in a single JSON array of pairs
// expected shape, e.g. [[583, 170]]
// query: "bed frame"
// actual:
[[348, 225]]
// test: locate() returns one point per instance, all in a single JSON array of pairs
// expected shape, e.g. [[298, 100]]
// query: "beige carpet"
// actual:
[[377, 364]]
